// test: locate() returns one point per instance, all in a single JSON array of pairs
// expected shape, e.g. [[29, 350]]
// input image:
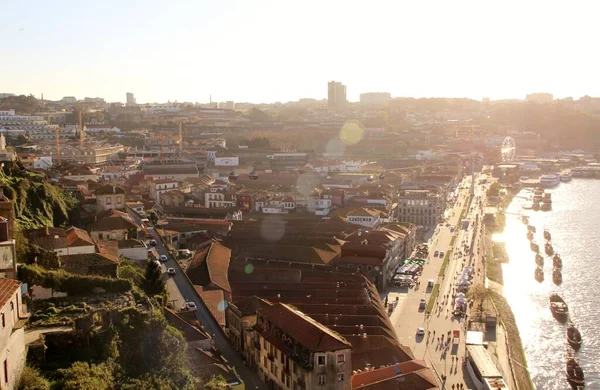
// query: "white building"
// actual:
[[12, 337], [369, 218], [225, 159], [43, 162]]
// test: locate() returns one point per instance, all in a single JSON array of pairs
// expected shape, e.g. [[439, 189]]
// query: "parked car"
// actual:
[[153, 242], [171, 271], [420, 332], [435, 254], [163, 258], [191, 306], [441, 254], [422, 304]]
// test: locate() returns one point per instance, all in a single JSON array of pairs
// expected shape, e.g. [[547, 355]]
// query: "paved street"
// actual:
[[445, 357], [180, 290]]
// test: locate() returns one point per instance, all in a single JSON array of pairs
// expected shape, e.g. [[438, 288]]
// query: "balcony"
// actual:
[[271, 357]]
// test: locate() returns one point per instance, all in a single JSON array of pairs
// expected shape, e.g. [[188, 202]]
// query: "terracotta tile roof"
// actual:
[[305, 330], [410, 375], [109, 189], [78, 237], [8, 288], [207, 364], [215, 302], [364, 212], [190, 332], [115, 221], [90, 263], [211, 265]]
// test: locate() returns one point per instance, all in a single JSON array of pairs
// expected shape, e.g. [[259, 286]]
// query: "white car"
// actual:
[[163, 258], [171, 271], [191, 306], [420, 332]]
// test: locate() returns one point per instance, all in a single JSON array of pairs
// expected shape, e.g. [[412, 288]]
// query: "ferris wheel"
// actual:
[[508, 149]]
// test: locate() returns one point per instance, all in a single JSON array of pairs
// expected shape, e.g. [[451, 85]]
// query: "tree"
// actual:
[[153, 217], [215, 383], [31, 379], [494, 190], [130, 271], [153, 283], [85, 376]]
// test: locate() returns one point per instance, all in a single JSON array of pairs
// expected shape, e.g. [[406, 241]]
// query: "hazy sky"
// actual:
[[267, 51]]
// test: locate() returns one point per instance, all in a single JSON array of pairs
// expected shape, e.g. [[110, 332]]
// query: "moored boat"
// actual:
[[574, 372], [535, 206], [566, 177], [548, 249], [546, 206], [557, 276], [525, 219], [539, 259], [549, 180], [558, 307], [556, 261], [547, 235], [530, 236], [534, 247], [539, 274], [531, 228], [574, 337]]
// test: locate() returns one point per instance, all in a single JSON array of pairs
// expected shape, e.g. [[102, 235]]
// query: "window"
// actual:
[[265, 361], [5, 370], [119, 200], [321, 360], [341, 377], [321, 379], [341, 358], [3, 320], [108, 200]]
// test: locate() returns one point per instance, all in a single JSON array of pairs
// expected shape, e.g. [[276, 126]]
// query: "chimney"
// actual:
[[114, 189]]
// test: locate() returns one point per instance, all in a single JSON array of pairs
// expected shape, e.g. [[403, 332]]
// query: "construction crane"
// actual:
[[57, 141], [80, 128], [180, 137]]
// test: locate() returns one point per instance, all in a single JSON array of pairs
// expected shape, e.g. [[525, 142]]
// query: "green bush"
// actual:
[[72, 284], [31, 379]]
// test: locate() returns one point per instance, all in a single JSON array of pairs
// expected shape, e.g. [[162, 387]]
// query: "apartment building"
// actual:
[[423, 207], [12, 335], [109, 197], [294, 351]]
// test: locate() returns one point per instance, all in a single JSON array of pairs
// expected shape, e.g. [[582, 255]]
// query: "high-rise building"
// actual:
[[130, 99], [336, 94]]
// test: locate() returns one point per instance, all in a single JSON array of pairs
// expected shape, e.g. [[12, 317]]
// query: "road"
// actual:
[[444, 358], [180, 290]]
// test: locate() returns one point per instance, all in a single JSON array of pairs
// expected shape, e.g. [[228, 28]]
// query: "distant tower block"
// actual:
[[130, 99]]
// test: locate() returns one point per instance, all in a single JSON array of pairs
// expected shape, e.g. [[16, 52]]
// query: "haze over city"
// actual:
[[268, 51]]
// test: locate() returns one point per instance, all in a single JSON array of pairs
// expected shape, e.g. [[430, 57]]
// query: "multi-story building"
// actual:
[[336, 94], [110, 197], [12, 335], [216, 198], [35, 126], [160, 186], [130, 99], [89, 154], [375, 98], [423, 207], [293, 351]]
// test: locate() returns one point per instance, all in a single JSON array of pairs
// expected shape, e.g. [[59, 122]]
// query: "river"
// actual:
[[574, 223]]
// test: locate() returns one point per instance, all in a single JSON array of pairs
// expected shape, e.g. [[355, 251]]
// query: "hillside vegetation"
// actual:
[[37, 202]]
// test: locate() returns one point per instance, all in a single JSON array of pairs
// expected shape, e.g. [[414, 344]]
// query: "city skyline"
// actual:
[[269, 52]]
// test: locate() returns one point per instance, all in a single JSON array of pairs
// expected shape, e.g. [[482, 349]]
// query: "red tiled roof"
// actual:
[[215, 302], [410, 375], [79, 237], [308, 332], [8, 288], [211, 265]]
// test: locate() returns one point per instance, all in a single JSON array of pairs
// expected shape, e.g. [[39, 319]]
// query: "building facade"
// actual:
[[423, 207]]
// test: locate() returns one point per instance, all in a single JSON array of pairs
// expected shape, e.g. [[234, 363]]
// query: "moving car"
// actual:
[[153, 242], [420, 332], [422, 304], [441, 254], [191, 306], [171, 271], [163, 258]]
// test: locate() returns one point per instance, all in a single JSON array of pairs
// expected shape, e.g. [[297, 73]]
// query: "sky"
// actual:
[[269, 51]]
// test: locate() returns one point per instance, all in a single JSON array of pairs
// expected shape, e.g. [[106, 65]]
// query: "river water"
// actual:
[[574, 223]]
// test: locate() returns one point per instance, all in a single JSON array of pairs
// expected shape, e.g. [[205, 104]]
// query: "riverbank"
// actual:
[[496, 256]]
